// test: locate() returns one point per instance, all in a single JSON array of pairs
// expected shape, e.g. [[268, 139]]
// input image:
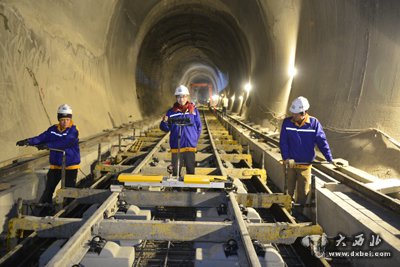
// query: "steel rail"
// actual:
[[76, 247], [284, 213], [41, 158], [264, 136], [382, 199], [252, 258], [96, 219]]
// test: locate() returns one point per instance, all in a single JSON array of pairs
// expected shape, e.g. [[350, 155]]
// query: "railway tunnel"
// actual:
[[119, 62]]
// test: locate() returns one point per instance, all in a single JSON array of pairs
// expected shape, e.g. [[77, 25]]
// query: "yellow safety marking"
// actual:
[[223, 137], [196, 180], [183, 149], [136, 146], [202, 179], [139, 178], [261, 172], [225, 142]]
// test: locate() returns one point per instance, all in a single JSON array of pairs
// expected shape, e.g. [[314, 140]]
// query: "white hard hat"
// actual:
[[64, 111], [300, 104], [181, 90]]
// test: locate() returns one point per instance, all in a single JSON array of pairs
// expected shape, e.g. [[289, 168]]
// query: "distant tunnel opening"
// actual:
[[193, 45]]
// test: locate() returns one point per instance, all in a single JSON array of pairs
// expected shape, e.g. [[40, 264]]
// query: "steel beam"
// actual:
[[84, 195], [176, 199], [247, 173], [110, 229], [77, 246], [244, 233], [112, 168], [163, 170], [151, 154], [282, 233], [251, 255], [45, 227], [167, 156], [378, 197], [225, 142], [164, 230], [261, 200]]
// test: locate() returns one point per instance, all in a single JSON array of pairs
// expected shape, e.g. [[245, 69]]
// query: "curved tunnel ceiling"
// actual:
[[193, 44]]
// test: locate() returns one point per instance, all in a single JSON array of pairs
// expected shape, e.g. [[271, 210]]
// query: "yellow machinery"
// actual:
[[188, 180]]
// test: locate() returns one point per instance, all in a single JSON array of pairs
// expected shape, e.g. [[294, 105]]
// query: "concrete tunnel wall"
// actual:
[[119, 61]]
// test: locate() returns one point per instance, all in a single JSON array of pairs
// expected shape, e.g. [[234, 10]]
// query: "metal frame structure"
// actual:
[[100, 221]]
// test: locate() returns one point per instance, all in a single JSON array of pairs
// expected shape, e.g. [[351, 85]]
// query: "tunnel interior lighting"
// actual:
[[248, 87], [292, 71], [215, 97], [233, 98], [241, 98]]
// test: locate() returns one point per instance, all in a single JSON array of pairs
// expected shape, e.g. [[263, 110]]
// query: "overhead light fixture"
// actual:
[[233, 98], [248, 87], [241, 98], [292, 71]]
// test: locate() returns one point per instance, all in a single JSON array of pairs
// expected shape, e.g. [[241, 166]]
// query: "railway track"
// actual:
[[177, 224]]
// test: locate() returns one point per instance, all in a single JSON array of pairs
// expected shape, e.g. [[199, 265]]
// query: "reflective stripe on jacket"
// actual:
[[67, 140], [298, 141], [190, 134]]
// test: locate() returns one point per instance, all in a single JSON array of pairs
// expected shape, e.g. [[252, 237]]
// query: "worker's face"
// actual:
[[298, 117], [65, 122], [182, 99]]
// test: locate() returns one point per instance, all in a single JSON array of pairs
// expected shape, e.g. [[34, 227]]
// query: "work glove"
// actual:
[[165, 118], [340, 163], [24, 142], [290, 163], [170, 169], [42, 146]]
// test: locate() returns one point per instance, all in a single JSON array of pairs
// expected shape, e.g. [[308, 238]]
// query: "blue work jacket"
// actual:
[[66, 140], [298, 141], [189, 135]]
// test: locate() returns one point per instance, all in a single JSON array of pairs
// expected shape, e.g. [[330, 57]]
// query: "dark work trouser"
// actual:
[[188, 159], [53, 178], [223, 111]]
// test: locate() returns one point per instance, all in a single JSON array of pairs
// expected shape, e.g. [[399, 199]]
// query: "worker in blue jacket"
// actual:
[[183, 113], [62, 136], [299, 135]]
